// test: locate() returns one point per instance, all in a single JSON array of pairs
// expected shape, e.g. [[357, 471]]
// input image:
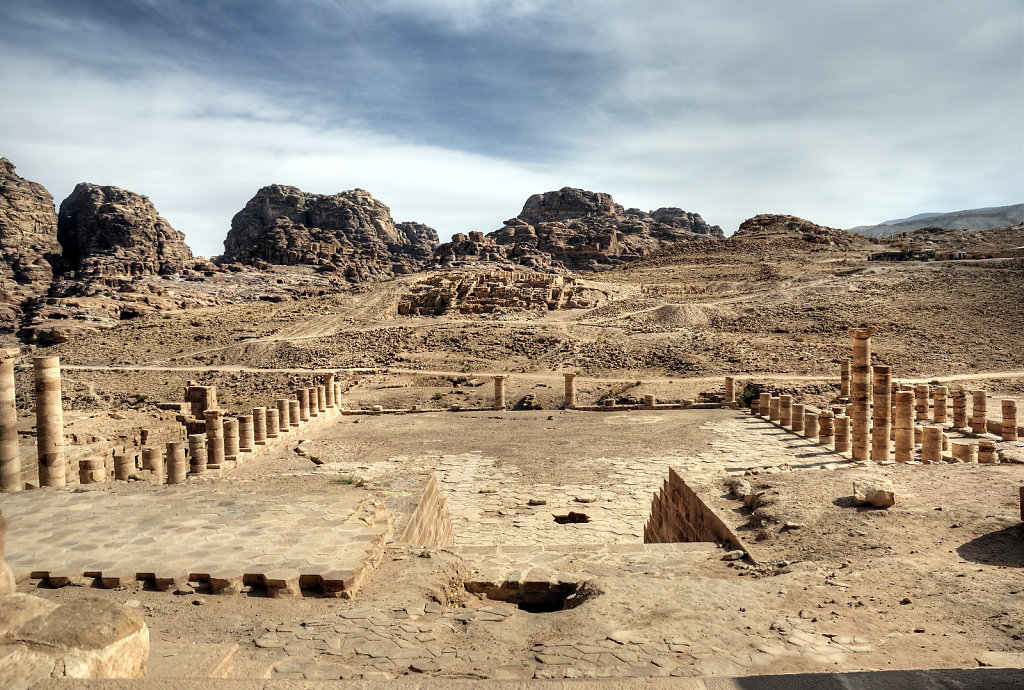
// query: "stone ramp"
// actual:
[[226, 540]]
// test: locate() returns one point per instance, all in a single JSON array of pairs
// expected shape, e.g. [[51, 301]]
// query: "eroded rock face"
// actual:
[[351, 233], [108, 231], [776, 227], [28, 241], [576, 230]]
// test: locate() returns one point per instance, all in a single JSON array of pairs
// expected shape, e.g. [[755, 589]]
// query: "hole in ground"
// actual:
[[538, 597], [572, 518]]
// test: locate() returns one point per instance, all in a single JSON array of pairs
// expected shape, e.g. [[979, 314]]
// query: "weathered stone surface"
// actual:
[[28, 241], [576, 230], [350, 233], [16, 609], [876, 492], [6, 576], [107, 231]]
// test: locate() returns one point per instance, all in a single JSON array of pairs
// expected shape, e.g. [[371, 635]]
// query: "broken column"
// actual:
[[197, 453], [321, 399], [293, 413], [153, 460], [730, 390], [880, 422], [1009, 430], [844, 378], [214, 438], [282, 415], [314, 406], [49, 422], [931, 444], [774, 405], [939, 415], [303, 396], [570, 390], [764, 405], [259, 426], [860, 385], [826, 428], [273, 423], [499, 392], [246, 433], [921, 402], [124, 465], [960, 409], [798, 418], [979, 412], [649, 401], [785, 410], [329, 389], [964, 451], [987, 451], [842, 427], [177, 467], [231, 439], [811, 425], [903, 426], [10, 460]]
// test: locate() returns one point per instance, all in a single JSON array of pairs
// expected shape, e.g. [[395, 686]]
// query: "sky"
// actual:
[[453, 112]]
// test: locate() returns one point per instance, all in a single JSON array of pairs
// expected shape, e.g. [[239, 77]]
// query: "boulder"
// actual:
[[876, 492]]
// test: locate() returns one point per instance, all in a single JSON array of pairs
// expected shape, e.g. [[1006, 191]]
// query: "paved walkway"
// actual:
[[128, 531]]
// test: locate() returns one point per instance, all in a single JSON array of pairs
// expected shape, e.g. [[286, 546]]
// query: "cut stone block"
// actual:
[[876, 492], [282, 583]]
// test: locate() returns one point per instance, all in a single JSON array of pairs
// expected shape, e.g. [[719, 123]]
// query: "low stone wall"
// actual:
[[431, 524], [678, 515]]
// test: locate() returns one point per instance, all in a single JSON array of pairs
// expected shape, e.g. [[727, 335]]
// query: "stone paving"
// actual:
[[200, 531]]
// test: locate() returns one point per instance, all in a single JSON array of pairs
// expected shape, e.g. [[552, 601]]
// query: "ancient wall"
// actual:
[[679, 515], [431, 524]]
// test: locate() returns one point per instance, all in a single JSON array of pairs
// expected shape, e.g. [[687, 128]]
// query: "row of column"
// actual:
[[49, 423]]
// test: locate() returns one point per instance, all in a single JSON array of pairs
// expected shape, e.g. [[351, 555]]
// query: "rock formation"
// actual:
[[107, 231], [28, 241], [576, 230], [351, 233], [781, 228]]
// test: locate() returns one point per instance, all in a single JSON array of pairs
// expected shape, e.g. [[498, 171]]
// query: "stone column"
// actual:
[[214, 438], [176, 465], [321, 399], [764, 405], [303, 397], [798, 418], [842, 426], [811, 425], [939, 404], [283, 421], [649, 401], [231, 439], [979, 412], [860, 385], [246, 433], [337, 394], [259, 426], [960, 409], [197, 453], [92, 470], [273, 423], [1009, 409], [293, 413], [49, 422], [730, 389], [826, 428], [903, 426], [499, 392], [987, 451], [931, 444], [570, 391], [124, 464], [964, 451], [844, 378], [881, 420], [785, 410], [153, 460], [921, 402], [329, 389], [774, 408], [10, 461], [314, 406]]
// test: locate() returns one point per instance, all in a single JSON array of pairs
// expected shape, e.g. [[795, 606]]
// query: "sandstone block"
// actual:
[[876, 492]]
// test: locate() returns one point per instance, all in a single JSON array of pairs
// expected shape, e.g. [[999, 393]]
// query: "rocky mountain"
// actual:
[[970, 219], [786, 230], [576, 230], [350, 233], [28, 241], [108, 231]]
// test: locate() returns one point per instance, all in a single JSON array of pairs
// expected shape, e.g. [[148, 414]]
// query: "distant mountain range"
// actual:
[[970, 219]]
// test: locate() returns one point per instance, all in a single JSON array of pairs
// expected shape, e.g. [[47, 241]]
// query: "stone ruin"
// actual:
[[673, 290], [486, 292]]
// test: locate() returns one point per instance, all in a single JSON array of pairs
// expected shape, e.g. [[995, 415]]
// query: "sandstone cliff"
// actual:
[[350, 233], [108, 231], [576, 230], [28, 241]]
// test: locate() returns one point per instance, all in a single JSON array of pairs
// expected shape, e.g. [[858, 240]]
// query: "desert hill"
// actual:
[[969, 219]]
